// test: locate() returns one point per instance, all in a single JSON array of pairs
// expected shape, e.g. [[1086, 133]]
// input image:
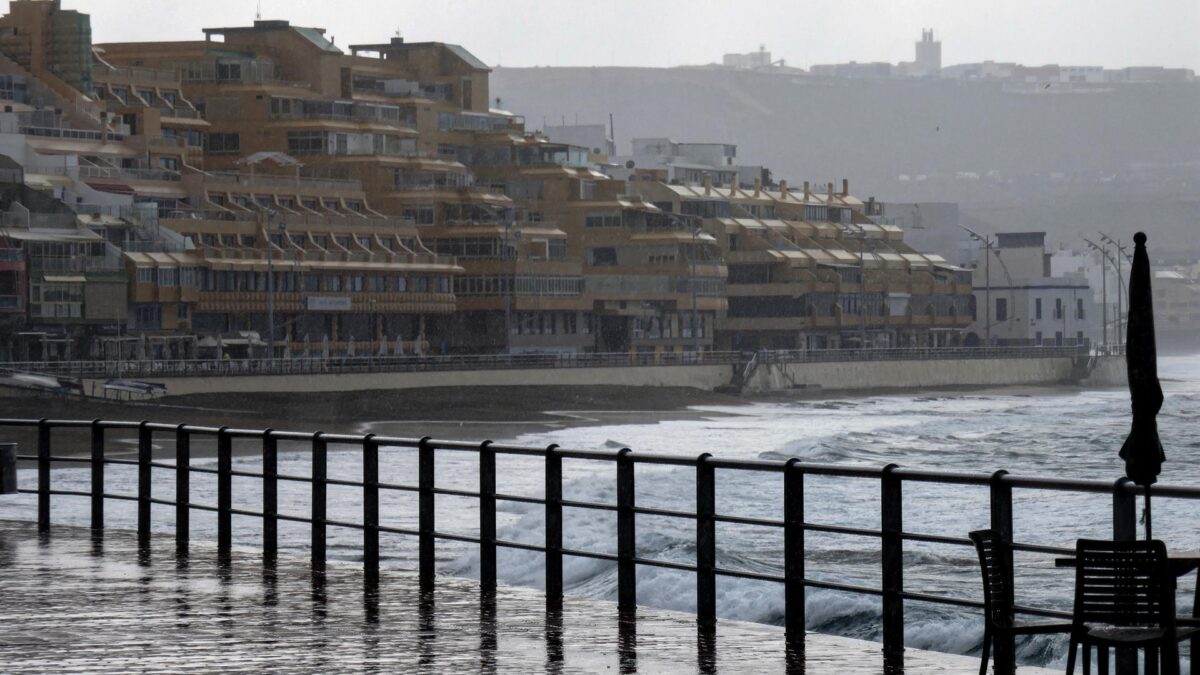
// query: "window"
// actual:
[[399, 284], [145, 275], [420, 215], [1079, 309], [1037, 310], [333, 282], [556, 249], [306, 142], [1002, 309], [224, 143], [356, 283], [603, 220], [604, 257], [377, 284], [1037, 340], [312, 283], [182, 312], [1058, 308], [169, 163], [229, 72], [167, 276]]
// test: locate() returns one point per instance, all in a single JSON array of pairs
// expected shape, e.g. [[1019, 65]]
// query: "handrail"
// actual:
[[891, 533], [367, 363]]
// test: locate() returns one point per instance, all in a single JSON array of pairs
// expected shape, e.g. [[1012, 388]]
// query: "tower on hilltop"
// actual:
[[929, 55]]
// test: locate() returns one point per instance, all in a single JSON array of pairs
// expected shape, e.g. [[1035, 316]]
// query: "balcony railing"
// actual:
[[370, 364], [283, 182], [111, 173]]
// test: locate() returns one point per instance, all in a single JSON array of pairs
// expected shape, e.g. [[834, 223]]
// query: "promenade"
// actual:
[[77, 604]]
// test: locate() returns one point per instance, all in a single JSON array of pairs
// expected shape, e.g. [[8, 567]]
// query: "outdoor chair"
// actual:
[[1125, 598], [998, 618]]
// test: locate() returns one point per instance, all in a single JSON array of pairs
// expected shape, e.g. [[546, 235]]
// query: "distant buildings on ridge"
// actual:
[[928, 64]]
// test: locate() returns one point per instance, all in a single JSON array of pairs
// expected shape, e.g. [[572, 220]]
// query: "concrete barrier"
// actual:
[[707, 377], [911, 374]]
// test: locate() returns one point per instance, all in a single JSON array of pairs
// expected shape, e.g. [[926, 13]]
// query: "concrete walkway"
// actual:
[[71, 604]]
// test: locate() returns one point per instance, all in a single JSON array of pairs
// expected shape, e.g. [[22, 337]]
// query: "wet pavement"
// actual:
[[74, 604]]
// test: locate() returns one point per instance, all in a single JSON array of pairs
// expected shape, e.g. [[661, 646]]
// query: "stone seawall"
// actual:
[[834, 376], [707, 377], [853, 375]]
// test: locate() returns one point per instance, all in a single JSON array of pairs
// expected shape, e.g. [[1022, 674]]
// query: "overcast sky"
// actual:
[[1111, 33]]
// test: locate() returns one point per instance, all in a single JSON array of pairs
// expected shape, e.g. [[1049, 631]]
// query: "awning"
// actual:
[[114, 188], [64, 280], [67, 146], [161, 191], [194, 122]]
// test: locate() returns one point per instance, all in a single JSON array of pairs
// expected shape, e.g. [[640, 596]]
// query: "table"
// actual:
[[1180, 563]]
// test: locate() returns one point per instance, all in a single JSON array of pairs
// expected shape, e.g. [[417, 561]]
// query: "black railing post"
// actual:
[[183, 489], [793, 550], [706, 542], [270, 506], [145, 446], [224, 496], [626, 534], [554, 535], [97, 477], [1124, 511], [1000, 497], [320, 468], [487, 517], [1124, 527], [892, 525], [425, 512], [371, 510], [43, 464]]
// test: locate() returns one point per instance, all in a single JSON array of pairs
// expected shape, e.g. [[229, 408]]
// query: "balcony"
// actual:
[[112, 173], [283, 182]]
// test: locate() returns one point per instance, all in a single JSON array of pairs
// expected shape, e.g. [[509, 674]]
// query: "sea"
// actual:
[[1051, 432]]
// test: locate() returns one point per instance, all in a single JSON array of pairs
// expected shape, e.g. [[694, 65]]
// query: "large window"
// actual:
[[306, 142], [224, 143], [1002, 309]]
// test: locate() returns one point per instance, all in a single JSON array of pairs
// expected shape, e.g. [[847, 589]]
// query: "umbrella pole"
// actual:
[[1148, 519]]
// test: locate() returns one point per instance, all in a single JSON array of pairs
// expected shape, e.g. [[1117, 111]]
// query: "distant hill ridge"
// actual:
[[1070, 148]]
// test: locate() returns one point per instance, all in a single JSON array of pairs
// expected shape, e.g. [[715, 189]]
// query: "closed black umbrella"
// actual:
[[1142, 452]]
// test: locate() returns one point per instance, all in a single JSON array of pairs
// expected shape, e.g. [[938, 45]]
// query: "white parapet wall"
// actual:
[[915, 374], [706, 377]]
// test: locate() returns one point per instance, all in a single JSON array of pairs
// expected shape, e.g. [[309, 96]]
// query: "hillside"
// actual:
[[1115, 157]]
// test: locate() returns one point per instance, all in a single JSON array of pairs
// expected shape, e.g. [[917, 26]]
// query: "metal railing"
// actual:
[[794, 523], [538, 360]]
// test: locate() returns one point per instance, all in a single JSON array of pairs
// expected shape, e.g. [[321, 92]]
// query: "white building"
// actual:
[[595, 137], [685, 163], [1021, 303], [749, 60]]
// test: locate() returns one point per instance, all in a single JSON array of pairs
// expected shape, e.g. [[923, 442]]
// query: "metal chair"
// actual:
[[998, 596], [1125, 598]]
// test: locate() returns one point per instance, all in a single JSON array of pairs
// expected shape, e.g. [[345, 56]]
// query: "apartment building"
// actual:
[[811, 270], [262, 191]]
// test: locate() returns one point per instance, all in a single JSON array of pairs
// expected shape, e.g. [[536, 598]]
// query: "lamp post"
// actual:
[[1103, 291], [271, 289], [695, 314], [861, 235], [1121, 251], [696, 232], [510, 288], [987, 273]]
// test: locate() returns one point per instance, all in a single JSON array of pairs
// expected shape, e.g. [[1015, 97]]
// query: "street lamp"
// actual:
[[1121, 251], [987, 242], [696, 232], [1103, 289], [282, 227], [861, 235], [510, 288]]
